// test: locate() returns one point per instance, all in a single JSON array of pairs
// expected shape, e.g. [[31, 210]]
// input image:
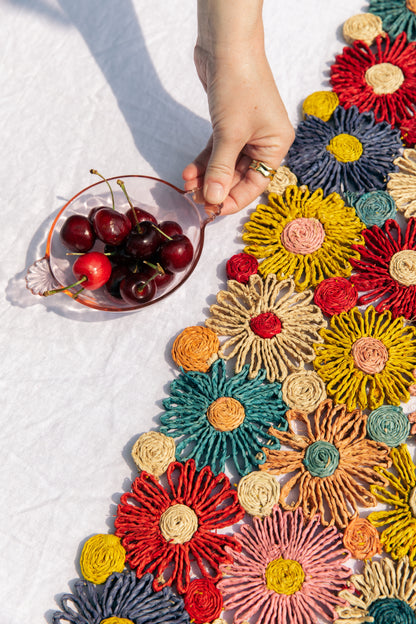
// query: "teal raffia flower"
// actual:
[[397, 16], [220, 418]]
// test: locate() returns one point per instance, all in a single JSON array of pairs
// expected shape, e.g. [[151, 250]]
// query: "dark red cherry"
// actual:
[[111, 226], [143, 240], [93, 211], [118, 273], [137, 288], [77, 233], [161, 276], [141, 215], [170, 228], [176, 254]]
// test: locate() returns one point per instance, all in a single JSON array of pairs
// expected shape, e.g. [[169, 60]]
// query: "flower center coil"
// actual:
[[266, 325], [370, 355], [303, 236], [391, 610], [116, 620], [384, 78], [178, 524], [388, 424], [411, 5], [284, 576], [402, 267], [321, 459], [345, 148], [226, 414], [258, 492]]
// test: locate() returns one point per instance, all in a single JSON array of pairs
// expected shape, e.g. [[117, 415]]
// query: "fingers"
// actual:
[[221, 167]]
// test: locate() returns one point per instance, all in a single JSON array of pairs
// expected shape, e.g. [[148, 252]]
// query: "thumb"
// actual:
[[220, 170]]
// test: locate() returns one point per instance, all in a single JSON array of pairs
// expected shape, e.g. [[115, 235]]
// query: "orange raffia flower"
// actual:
[[332, 463], [361, 538]]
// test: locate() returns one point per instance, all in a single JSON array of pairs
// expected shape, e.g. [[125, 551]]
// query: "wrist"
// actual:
[[230, 27]]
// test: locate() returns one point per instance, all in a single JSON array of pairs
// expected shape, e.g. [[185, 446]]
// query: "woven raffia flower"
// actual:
[[219, 418], [397, 16], [195, 348], [399, 538], [402, 185], [382, 81], [386, 271], [333, 463], [303, 391], [367, 359], [163, 529], [307, 236], [349, 152], [388, 424], [408, 131], [258, 493], [153, 452], [362, 27], [335, 295], [269, 323], [288, 571], [124, 600], [320, 104], [283, 178], [203, 601], [240, 266], [102, 555], [361, 539], [374, 208], [387, 595]]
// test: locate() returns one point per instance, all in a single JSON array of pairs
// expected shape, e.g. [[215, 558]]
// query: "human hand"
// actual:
[[249, 122]]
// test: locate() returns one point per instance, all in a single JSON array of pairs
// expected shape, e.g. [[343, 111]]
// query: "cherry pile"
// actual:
[[140, 256]]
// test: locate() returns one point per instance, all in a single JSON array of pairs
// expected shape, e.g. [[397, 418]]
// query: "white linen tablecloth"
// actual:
[[109, 85]]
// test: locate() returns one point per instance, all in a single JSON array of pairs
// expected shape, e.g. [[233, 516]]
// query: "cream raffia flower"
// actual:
[[268, 323], [305, 235], [402, 185], [367, 359], [387, 595], [331, 465], [399, 538]]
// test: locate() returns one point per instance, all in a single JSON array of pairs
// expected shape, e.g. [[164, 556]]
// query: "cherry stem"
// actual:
[[123, 188], [158, 267], [95, 172], [147, 282], [162, 232], [47, 293]]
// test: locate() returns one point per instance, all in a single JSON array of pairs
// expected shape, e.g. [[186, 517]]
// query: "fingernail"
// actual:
[[214, 193]]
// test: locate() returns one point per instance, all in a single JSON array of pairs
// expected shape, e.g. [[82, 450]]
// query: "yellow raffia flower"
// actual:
[[320, 104], [399, 538], [102, 555], [305, 236], [367, 359]]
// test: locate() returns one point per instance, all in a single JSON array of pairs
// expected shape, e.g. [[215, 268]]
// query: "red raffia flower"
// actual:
[[241, 266], [203, 601], [335, 295], [387, 268], [408, 131], [162, 529], [382, 81]]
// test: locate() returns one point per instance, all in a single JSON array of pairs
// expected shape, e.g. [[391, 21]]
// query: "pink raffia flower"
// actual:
[[287, 571]]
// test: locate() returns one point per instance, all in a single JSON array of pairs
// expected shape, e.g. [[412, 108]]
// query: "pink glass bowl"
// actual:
[[163, 200]]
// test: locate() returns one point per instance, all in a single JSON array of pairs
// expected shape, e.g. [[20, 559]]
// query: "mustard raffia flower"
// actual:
[[305, 235], [101, 556], [268, 324], [367, 359], [399, 538], [387, 595], [333, 463]]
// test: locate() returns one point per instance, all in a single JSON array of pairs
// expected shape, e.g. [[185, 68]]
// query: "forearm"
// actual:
[[230, 26]]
